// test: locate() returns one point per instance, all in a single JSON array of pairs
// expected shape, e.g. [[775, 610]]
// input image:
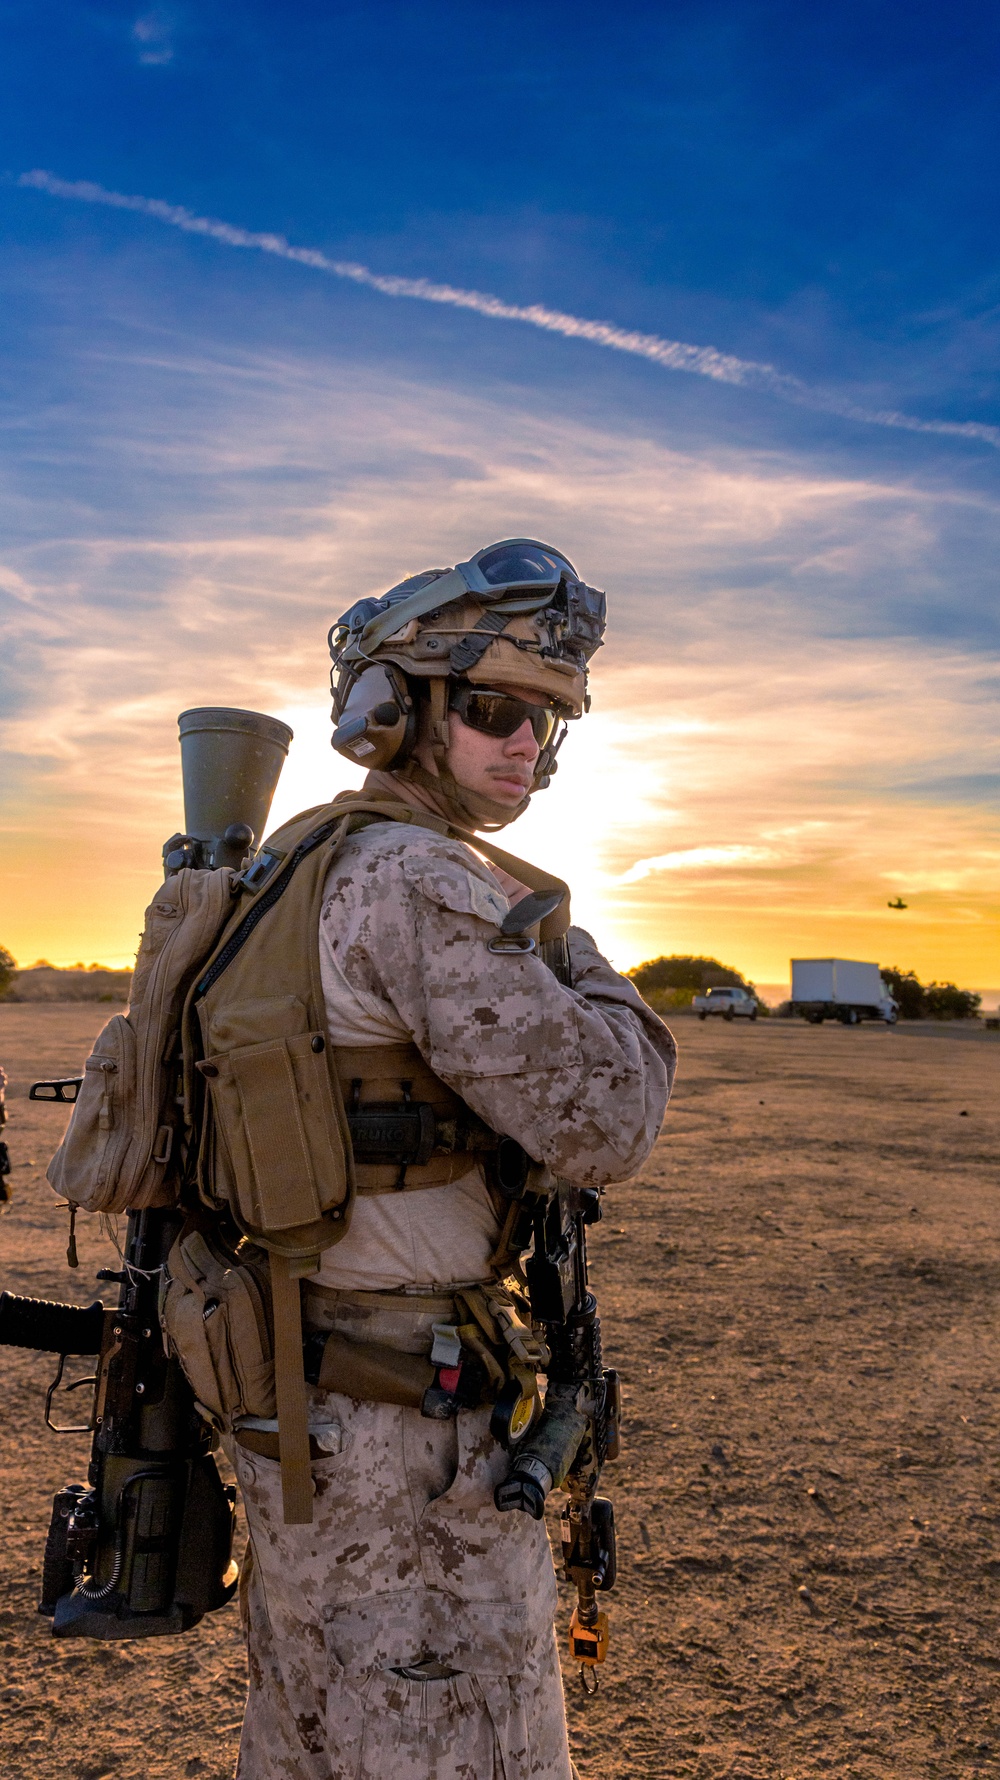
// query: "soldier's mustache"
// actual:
[[510, 772]]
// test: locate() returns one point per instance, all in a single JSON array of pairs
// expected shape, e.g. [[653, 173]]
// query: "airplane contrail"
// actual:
[[672, 355]]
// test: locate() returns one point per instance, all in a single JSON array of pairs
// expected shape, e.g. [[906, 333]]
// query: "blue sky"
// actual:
[[207, 450]]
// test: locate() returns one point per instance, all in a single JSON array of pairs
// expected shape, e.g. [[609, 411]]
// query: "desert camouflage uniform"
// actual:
[[407, 1562]]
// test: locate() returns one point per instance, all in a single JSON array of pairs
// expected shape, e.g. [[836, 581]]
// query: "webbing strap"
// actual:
[[554, 925], [267, 901], [345, 806], [475, 643], [290, 1393]]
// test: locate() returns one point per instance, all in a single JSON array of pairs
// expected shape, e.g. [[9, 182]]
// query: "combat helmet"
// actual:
[[516, 615]]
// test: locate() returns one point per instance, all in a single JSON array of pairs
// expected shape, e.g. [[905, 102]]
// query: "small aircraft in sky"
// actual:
[[898, 903]]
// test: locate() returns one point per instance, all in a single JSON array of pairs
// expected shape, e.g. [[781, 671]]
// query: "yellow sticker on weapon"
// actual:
[[588, 1643]]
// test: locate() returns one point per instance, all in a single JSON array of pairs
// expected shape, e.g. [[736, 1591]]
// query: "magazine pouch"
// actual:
[[280, 1155]]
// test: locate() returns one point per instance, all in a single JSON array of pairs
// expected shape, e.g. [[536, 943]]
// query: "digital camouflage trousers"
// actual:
[[406, 1567]]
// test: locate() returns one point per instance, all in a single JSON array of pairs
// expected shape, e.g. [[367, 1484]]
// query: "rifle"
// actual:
[[578, 1430], [144, 1548], [4, 1151]]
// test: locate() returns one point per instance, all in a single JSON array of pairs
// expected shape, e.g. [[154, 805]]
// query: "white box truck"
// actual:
[[842, 989]]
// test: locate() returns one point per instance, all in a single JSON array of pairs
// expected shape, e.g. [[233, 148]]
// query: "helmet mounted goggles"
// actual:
[[519, 577]]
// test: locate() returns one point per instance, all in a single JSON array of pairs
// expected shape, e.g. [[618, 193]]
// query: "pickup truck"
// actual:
[[732, 1004]]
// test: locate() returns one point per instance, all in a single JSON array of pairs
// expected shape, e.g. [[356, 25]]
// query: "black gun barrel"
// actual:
[[50, 1328]]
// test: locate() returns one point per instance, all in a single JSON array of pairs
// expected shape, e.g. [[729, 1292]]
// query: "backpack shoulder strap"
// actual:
[[271, 872], [553, 926]]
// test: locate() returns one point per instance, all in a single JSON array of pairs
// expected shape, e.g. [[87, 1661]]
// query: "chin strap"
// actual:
[[463, 809], [468, 809]]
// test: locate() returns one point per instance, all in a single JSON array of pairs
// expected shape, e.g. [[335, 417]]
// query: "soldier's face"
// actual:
[[500, 767]]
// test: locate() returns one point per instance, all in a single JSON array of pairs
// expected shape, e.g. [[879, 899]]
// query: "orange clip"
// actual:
[[588, 1643]]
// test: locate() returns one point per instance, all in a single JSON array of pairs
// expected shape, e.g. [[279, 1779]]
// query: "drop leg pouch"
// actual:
[[216, 1315]]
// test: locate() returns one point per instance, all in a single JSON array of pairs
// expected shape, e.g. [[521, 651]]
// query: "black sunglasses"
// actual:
[[500, 714]]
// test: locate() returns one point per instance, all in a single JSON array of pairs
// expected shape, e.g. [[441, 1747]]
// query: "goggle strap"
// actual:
[[441, 592]]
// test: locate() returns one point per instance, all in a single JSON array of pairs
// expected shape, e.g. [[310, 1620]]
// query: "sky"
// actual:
[[299, 299]]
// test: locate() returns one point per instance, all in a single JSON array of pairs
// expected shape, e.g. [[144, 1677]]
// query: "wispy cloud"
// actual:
[[670, 355], [152, 34], [700, 859]]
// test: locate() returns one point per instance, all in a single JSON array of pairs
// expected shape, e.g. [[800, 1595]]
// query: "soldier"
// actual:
[[407, 1634]]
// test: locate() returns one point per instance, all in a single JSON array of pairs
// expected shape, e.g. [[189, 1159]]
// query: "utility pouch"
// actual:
[[122, 1148], [275, 1135], [275, 1114], [87, 1165], [215, 1315], [366, 1370]]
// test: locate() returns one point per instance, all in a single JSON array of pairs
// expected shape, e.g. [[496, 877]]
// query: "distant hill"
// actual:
[[45, 983]]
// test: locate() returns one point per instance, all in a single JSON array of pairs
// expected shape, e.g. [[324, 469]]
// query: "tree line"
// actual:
[[929, 1001], [670, 984]]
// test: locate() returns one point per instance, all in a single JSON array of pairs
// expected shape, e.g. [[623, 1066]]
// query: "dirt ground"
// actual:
[[800, 1291]]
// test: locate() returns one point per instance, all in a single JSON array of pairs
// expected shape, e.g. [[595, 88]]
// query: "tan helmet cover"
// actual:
[[423, 648]]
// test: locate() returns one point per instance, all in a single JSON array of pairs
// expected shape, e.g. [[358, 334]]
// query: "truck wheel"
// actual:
[[753, 1015], [703, 1016], [852, 1017], [815, 1019], [729, 1015]]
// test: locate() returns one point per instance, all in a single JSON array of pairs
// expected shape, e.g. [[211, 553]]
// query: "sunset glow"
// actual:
[[216, 451], [745, 785]]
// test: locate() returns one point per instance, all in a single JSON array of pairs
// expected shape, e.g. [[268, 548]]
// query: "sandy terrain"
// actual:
[[800, 1292]]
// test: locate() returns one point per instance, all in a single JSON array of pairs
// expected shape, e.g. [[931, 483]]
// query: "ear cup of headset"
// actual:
[[377, 722]]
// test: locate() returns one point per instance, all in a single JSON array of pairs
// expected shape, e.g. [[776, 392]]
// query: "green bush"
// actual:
[[8, 965], [671, 983], [946, 1002], [929, 1001]]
